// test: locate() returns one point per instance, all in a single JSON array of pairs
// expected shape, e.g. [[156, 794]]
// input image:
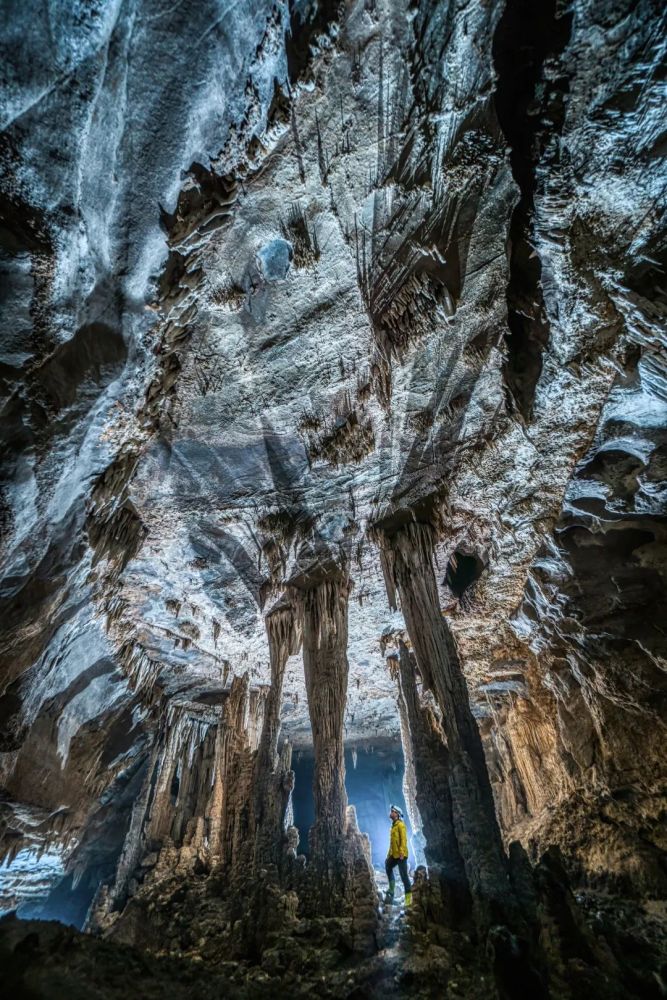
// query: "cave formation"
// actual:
[[333, 475]]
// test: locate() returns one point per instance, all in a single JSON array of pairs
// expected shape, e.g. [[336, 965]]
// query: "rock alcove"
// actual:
[[333, 475]]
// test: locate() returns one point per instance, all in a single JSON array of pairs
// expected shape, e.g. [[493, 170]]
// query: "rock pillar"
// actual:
[[231, 796], [274, 779], [326, 672], [342, 883], [433, 798], [408, 565]]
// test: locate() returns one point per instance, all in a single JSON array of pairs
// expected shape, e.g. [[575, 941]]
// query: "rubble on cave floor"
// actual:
[[190, 947], [312, 957], [47, 961]]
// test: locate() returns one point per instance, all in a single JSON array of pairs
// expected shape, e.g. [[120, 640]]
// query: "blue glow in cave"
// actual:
[[37, 887], [32, 873], [372, 787]]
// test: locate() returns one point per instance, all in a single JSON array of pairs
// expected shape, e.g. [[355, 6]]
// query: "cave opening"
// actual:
[[462, 571], [303, 803], [56, 894], [530, 113], [69, 900], [374, 782]]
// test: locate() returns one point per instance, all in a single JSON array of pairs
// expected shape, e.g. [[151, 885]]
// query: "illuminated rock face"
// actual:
[[292, 289]]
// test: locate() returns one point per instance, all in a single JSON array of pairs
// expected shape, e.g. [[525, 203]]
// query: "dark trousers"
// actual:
[[402, 863]]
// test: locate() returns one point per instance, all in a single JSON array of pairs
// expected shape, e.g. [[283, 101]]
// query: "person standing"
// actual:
[[397, 856]]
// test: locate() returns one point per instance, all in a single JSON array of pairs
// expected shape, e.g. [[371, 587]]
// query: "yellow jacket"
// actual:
[[398, 840]]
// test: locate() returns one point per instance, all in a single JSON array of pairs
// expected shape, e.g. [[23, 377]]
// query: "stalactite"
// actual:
[[187, 747], [195, 807], [284, 637]]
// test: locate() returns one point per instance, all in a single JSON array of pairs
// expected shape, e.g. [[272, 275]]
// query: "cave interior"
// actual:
[[333, 478]]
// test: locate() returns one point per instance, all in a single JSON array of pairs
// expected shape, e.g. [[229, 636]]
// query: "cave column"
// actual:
[[408, 564], [229, 784], [326, 673], [423, 743], [409, 770], [341, 855], [273, 778]]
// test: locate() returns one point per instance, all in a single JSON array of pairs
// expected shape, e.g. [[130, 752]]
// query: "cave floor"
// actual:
[[46, 960]]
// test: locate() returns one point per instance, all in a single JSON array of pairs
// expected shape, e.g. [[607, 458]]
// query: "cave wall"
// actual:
[[100, 120], [600, 574]]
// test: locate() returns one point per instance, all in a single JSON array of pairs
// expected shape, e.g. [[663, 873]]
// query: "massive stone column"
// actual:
[[326, 672], [344, 882], [433, 798], [231, 798], [417, 839], [274, 780], [430, 759], [408, 563]]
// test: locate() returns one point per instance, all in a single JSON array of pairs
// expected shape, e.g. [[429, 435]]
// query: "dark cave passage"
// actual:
[[531, 113], [462, 571], [66, 903], [303, 804]]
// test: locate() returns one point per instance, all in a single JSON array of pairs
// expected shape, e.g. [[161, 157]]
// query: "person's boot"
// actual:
[[389, 894], [408, 899]]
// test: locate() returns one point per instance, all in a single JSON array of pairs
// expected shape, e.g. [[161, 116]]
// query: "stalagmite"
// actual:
[[231, 835]]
